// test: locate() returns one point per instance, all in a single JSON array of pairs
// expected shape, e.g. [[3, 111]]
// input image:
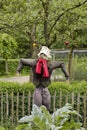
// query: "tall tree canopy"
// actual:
[[48, 22]]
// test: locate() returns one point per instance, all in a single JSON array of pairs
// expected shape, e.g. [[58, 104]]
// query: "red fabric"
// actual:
[[42, 64]]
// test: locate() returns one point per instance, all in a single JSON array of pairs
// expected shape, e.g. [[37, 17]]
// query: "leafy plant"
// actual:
[[41, 119]]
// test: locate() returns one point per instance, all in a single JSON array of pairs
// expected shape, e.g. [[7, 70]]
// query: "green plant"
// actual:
[[41, 119]]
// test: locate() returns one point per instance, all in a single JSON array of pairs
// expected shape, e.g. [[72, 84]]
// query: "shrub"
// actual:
[[12, 67]]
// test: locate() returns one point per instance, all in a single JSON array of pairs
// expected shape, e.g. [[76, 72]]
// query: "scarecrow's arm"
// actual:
[[24, 62], [62, 66]]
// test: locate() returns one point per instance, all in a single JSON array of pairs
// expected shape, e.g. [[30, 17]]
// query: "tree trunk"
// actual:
[[45, 5], [6, 66]]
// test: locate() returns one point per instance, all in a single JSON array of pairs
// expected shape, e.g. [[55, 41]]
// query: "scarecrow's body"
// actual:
[[41, 94]]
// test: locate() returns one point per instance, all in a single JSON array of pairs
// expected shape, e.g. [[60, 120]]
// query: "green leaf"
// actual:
[[61, 119]]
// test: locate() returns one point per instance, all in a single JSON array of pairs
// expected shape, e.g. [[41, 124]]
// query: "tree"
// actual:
[[8, 46], [47, 22]]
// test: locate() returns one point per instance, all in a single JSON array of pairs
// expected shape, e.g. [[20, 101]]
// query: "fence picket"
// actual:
[[78, 104], [73, 99], [29, 98], [23, 96], [54, 101], [60, 99], [2, 113], [16, 108], [67, 97], [85, 113], [12, 107], [7, 105]]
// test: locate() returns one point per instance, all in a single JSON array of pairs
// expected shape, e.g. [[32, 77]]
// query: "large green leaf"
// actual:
[[61, 119]]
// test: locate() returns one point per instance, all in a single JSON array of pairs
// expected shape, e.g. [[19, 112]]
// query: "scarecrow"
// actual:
[[42, 68]]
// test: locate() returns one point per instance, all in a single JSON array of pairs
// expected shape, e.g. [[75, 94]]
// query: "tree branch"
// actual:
[[67, 10]]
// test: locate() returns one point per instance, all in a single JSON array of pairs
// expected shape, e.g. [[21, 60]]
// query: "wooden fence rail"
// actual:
[[13, 106]]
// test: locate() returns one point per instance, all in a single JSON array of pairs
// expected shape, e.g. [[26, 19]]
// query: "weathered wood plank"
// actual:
[[12, 98], [54, 101], [23, 96], [29, 98], [85, 110], [60, 99], [7, 105], [78, 105], [2, 112], [17, 109]]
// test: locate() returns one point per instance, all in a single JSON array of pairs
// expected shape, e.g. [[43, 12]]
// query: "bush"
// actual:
[[12, 67], [16, 87]]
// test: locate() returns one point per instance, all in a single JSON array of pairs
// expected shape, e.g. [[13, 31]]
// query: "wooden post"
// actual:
[[85, 109], [54, 101], [23, 96], [78, 105], [60, 99], [67, 97], [73, 99], [12, 107], [2, 107], [29, 97], [7, 104], [17, 110]]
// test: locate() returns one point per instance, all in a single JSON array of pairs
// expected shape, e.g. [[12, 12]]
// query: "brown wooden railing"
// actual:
[[13, 106]]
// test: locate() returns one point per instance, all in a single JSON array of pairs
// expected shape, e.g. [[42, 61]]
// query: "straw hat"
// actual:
[[45, 50]]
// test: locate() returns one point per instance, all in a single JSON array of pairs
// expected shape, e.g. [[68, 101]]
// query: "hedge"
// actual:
[[54, 86], [12, 67]]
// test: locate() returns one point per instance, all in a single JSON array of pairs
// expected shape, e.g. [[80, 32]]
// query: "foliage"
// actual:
[[41, 119], [75, 87], [46, 22], [2, 66], [15, 87], [8, 45], [80, 68], [12, 67]]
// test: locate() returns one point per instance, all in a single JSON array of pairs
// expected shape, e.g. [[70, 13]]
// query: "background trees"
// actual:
[[46, 22], [8, 47]]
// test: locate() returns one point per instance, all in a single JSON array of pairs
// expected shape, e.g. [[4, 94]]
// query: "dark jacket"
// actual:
[[38, 79]]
